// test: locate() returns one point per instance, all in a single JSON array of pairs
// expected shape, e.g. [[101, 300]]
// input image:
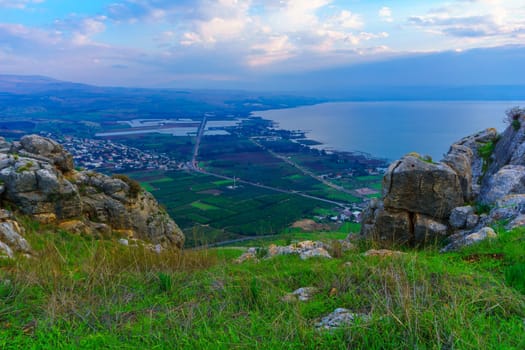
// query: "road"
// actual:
[[200, 132], [194, 166], [231, 241], [307, 172]]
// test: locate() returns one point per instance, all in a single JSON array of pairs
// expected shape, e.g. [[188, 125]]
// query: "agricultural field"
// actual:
[[239, 157], [208, 209]]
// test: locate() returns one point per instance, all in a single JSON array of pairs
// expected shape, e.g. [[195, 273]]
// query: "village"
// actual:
[[105, 155]]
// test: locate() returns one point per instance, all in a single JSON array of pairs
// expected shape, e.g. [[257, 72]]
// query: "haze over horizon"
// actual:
[[255, 44]]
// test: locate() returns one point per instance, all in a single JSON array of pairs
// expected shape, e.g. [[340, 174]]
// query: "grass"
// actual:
[[92, 294], [203, 206]]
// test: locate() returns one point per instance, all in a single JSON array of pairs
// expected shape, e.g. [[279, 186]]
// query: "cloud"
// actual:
[[80, 30], [385, 13], [277, 48], [18, 4], [475, 20]]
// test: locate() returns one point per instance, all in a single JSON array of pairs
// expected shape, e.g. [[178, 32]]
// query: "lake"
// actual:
[[392, 129]]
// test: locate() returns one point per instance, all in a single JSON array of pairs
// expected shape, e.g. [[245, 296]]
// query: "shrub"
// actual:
[[514, 116], [134, 186]]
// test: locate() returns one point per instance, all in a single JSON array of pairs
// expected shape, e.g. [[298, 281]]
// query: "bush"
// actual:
[[134, 186], [513, 117]]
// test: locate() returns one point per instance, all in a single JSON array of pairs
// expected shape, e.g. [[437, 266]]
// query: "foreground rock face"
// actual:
[[414, 185], [38, 178], [424, 202]]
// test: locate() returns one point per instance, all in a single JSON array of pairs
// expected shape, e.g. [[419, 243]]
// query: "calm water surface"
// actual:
[[392, 129]]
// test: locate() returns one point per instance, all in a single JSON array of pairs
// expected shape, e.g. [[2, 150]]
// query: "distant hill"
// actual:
[[24, 95]]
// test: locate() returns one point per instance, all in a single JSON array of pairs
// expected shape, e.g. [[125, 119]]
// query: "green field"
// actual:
[[203, 206], [208, 210]]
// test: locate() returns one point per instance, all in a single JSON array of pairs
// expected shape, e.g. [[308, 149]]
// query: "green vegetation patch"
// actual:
[[161, 180], [92, 294], [203, 206], [147, 187]]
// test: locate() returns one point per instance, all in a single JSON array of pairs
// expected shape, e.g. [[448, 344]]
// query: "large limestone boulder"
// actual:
[[415, 185]]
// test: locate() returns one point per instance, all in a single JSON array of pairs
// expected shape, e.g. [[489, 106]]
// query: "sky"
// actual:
[[244, 43]]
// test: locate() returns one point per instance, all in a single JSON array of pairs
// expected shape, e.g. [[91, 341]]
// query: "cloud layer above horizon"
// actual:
[[170, 43]]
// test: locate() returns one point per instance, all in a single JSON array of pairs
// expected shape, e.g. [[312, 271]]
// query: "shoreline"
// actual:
[[389, 129]]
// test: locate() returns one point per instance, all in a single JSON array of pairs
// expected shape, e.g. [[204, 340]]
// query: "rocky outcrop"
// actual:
[[424, 202], [305, 250], [38, 178], [11, 236]]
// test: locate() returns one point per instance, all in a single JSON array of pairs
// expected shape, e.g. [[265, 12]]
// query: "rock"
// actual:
[[459, 158], [510, 179], [414, 185], [301, 294], [274, 250], [340, 318], [315, 253], [6, 251], [4, 145], [519, 221], [472, 142], [11, 234], [469, 239], [382, 253], [45, 218], [472, 221], [123, 241], [509, 150], [305, 250], [388, 226], [50, 149], [459, 215], [250, 254], [427, 230], [508, 207]]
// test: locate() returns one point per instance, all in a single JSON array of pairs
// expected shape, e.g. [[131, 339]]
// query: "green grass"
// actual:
[[162, 180], [147, 187], [92, 294], [203, 206], [223, 182]]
